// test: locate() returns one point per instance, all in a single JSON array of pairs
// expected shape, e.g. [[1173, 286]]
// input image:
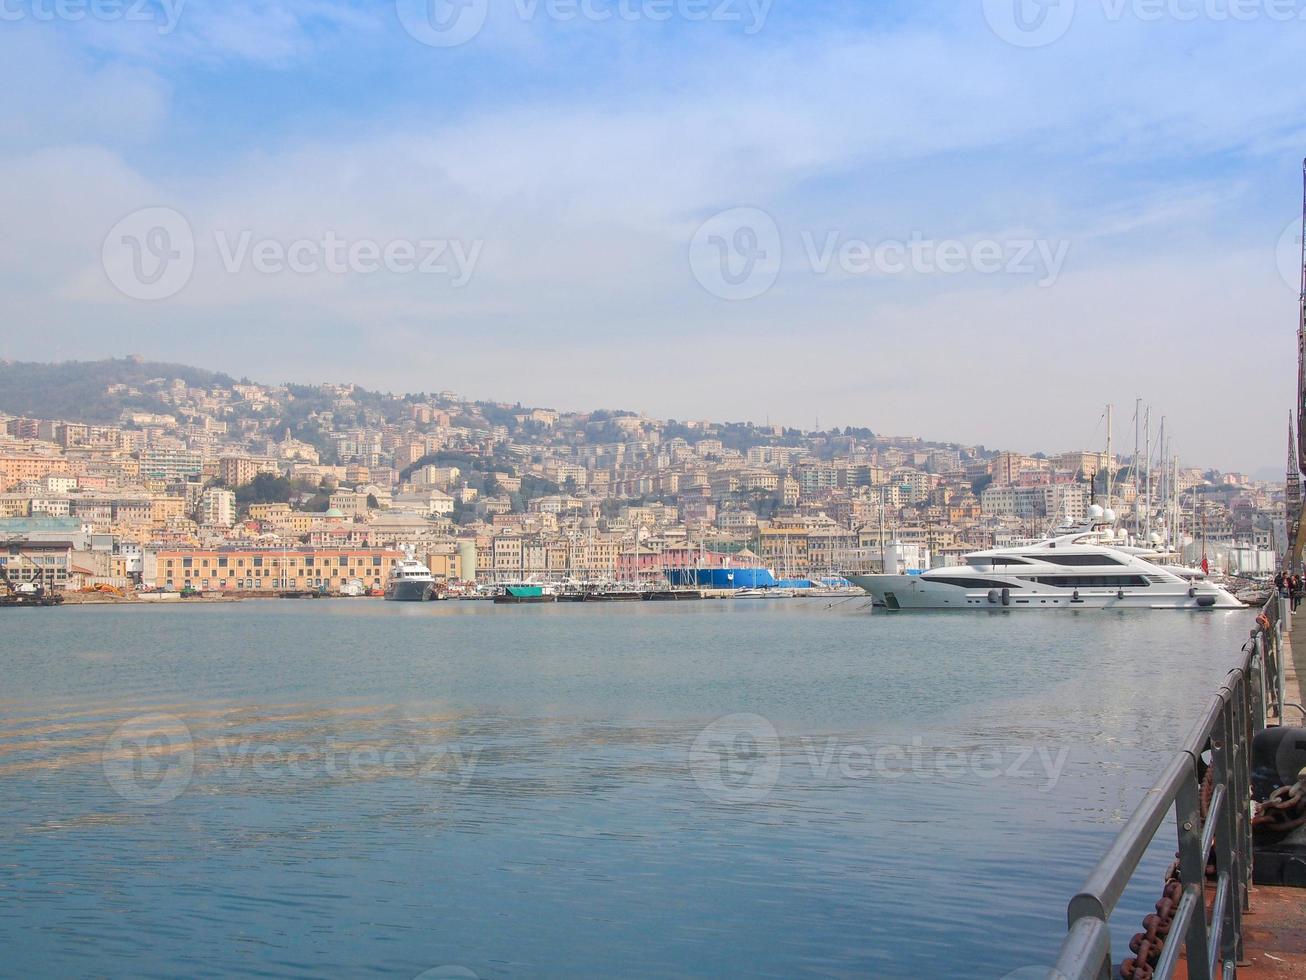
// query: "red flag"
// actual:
[[1206, 566]]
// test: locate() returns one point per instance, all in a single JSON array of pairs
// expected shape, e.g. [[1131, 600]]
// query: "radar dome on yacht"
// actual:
[[1155, 538], [1095, 512], [1109, 516]]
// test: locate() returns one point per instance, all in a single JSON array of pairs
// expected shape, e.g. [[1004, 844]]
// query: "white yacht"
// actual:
[[410, 580], [1085, 568]]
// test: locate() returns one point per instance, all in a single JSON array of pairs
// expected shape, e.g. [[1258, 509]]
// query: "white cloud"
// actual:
[[586, 205]]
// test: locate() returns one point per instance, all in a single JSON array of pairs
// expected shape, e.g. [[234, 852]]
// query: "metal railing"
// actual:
[[1207, 786]]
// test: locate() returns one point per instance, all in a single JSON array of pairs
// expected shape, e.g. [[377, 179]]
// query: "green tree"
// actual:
[[265, 489]]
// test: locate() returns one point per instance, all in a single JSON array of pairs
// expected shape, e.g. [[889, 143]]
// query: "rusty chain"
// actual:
[[1147, 945], [1285, 810]]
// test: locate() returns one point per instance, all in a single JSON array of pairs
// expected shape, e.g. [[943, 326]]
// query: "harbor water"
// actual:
[[768, 788]]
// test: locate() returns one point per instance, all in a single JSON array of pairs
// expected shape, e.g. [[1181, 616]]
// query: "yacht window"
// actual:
[[970, 583], [1079, 561], [1092, 581]]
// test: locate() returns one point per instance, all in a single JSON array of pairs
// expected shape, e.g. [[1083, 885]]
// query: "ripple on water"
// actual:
[[364, 790]]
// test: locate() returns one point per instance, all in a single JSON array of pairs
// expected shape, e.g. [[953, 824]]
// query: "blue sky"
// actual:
[[582, 166]]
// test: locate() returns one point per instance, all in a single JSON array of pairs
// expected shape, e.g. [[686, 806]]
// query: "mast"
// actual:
[[1163, 461], [1174, 494], [1206, 565], [1178, 503], [1110, 415], [1147, 473], [1133, 466]]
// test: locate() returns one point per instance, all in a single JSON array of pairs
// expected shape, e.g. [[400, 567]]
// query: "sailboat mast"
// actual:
[[1133, 467], [1174, 468], [1147, 473], [1110, 410], [1163, 485]]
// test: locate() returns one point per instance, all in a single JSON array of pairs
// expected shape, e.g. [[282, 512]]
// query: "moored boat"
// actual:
[[524, 593], [1084, 569], [410, 580], [673, 595]]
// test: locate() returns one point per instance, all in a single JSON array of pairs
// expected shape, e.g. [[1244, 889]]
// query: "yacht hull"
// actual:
[[909, 592], [408, 591]]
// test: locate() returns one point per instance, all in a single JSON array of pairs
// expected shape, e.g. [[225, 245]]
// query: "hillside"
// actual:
[[75, 390]]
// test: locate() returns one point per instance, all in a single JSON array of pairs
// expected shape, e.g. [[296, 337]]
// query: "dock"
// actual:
[[1275, 928], [1233, 904]]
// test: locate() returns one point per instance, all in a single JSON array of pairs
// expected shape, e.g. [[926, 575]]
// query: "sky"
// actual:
[[974, 220]]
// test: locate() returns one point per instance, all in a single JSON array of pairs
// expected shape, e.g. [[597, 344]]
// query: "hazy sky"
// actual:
[[977, 220]]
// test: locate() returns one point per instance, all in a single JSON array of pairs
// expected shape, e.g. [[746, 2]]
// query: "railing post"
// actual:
[[1281, 683], [1242, 798], [1259, 709], [1192, 870], [1227, 865]]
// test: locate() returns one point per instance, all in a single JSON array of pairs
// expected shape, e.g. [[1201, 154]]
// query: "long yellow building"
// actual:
[[270, 570]]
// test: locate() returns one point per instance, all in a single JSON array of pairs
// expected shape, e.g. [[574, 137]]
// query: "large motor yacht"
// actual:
[[410, 580], [1089, 567]]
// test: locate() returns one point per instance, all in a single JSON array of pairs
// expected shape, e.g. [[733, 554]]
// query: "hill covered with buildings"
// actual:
[[129, 460]]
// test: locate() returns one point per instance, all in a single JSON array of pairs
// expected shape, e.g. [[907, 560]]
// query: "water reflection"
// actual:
[[567, 795]]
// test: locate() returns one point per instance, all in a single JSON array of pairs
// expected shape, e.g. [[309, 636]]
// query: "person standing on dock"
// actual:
[[1297, 587]]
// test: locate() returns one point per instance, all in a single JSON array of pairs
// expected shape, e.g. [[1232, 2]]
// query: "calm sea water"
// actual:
[[769, 788]]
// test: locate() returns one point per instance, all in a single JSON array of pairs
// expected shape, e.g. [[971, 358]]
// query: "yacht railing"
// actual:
[[1207, 787]]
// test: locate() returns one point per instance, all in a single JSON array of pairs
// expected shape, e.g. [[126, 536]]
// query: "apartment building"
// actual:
[[236, 471], [167, 463], [217, 507], [16, 467]]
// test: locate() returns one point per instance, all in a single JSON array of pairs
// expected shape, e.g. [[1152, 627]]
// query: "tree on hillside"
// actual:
[[265, 489]]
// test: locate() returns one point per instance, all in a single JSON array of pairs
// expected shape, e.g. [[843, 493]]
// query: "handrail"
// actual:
[[1217, 749]]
